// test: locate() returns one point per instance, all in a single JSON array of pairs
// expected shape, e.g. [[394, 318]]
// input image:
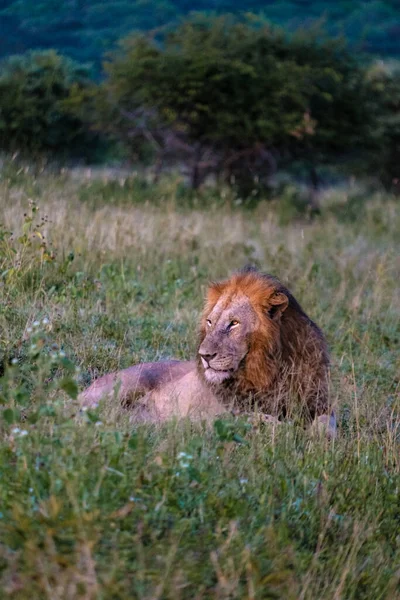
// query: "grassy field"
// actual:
[[99, 274]]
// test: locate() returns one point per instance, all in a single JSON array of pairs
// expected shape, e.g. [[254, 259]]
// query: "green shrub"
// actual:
[[385, 80], [33, 89]]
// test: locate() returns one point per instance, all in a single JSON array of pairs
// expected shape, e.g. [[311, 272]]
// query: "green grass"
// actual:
[[93, 506]]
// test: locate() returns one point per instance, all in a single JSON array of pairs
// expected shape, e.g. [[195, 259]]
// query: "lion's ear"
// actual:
[[278, 303]]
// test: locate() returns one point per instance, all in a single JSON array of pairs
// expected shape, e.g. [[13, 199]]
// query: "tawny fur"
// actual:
[[263, 352], [287, 365]]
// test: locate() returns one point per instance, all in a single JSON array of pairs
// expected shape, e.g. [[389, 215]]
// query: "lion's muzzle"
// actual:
[[216, 367]]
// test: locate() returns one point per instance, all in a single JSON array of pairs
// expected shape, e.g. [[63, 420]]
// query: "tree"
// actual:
[[235, 98], [384, 79], [33, 88]]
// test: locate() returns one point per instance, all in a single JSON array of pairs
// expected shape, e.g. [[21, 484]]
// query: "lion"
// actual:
[[258, 351]]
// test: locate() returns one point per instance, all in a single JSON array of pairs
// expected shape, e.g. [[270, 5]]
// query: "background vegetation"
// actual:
[[32, 118], [233, 99], [95, 276], [84, 29]]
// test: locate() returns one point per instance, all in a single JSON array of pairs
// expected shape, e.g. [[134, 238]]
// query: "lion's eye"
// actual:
[[233, 323], [209, 322]]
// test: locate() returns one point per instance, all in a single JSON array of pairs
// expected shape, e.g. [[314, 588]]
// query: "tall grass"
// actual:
[[99, 274]]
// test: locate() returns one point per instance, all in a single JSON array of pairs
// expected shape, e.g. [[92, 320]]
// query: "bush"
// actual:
[[385, 81], [33, 89]]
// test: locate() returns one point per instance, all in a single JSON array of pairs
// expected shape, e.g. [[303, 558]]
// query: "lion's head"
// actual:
[[252, 329], [241, 325]]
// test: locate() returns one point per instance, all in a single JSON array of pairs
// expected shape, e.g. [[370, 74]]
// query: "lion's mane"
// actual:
[[287, 363]]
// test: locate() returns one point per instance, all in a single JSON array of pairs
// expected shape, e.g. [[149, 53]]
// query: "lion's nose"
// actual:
[[207, 357]]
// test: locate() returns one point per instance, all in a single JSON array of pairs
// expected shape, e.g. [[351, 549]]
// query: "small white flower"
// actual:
[[29, 329], [14, 361], [19, 432], [184, 460], [184, 455], [36, 323], [243, 481], [61, 353], [45, 321], [98, 423]]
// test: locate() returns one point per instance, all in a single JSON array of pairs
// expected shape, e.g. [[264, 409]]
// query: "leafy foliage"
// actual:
[[385, 82], [234, 99], [252, 100], [33, 88]]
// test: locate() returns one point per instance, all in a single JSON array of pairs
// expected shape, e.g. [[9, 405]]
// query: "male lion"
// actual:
[[258, 350]]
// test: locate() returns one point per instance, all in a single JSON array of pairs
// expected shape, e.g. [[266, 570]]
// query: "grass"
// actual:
[[92, 506]]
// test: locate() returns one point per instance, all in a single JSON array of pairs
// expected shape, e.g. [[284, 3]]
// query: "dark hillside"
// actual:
[[84, 29]]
